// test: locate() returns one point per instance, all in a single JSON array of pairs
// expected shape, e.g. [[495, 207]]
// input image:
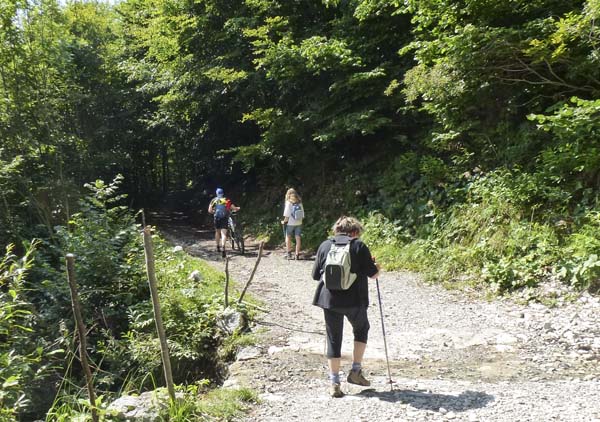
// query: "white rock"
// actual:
[[272, 397], [505, 338], [274, 349], [503, 348], [248, 353], [231, 383], [195, 275], [142, 408]]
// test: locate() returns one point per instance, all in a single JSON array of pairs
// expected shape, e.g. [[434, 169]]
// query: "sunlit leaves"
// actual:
[[322, 54], [18, 354], [262, 6], [225, 75], [373, 8], [363, 123], [263, 117]]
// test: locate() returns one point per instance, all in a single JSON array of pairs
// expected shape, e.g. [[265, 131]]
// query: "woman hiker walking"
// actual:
[[351, 303], [293, 214]]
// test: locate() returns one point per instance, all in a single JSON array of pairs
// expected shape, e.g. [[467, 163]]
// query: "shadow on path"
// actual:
[[196, 235], [433, 401]]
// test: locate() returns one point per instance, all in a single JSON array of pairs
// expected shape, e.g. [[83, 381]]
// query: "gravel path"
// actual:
[[452, 357]]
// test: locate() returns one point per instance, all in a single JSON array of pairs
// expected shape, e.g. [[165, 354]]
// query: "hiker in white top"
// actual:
[[293, 214]]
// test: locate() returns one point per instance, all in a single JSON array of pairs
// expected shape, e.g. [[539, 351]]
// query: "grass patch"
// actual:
[[215, 405]]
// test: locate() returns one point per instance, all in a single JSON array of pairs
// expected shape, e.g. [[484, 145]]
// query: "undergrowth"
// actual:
[[214, 405], [493, 239], [123, 347]]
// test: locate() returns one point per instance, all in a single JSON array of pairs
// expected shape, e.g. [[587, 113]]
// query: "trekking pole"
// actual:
[[387, 359]]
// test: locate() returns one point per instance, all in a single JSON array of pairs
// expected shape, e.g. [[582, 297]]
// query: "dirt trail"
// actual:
[[452, 357]]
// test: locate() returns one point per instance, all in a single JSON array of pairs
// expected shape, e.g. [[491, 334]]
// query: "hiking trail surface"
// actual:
[[453, 356]]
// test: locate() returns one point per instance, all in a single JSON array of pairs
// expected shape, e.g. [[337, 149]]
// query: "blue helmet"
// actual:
[[220, 192]]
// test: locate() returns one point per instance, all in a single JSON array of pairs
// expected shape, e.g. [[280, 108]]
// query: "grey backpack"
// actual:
[[337, 275], [297, 211]]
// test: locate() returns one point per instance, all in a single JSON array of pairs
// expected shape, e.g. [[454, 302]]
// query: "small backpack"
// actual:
[[337, 275], [297, 211], [221, 208]]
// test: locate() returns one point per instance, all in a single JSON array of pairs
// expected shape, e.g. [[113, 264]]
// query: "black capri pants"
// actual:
[[334, 324]]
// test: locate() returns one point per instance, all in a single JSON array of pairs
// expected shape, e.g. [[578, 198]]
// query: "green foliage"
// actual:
[[572, 159], [122, 340], [463, 132], [73, 404], [499, 236], [221, 405], [579, 264], [413, 187], [476, 68], [380, 231], [114, 294], [20, 356], [385, 238], [109, 271], [584, 274], [11, 212], [190, 312]]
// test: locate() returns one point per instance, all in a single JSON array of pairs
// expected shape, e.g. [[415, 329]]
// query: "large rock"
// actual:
[[143, 408], [249, 353], [231, 320]]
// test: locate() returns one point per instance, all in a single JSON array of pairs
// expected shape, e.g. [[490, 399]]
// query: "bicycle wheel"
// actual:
[[231, 230], [239, 239]]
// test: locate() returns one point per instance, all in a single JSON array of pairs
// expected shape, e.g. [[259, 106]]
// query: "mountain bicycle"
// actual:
[[236, 233]]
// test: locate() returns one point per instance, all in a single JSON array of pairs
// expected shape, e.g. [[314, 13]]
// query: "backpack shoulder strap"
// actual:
[[345, 239]]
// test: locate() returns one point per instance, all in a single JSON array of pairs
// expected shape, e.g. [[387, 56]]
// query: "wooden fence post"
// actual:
[[260, 249], [70, 258], [227, 282], [160, 329]]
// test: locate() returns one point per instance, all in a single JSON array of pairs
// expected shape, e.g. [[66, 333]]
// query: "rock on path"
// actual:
[[452, 357]]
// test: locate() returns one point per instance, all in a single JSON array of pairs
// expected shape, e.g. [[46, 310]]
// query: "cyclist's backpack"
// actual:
[[221, 208], [337, 275], [297, 211]]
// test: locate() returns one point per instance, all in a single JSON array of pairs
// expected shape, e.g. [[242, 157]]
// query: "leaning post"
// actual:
[[260, 249], [227, 282], [160, 329], [70, 258]]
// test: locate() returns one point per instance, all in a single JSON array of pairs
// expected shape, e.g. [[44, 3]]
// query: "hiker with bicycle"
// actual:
[[342, 266], [293, 214], [221, 208], [235, 233]]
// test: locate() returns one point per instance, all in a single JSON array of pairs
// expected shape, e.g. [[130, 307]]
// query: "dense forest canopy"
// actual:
[[465, 133], [182, 95]]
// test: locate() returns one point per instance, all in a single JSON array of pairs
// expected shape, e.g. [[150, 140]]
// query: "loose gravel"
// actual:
[[452, 356]]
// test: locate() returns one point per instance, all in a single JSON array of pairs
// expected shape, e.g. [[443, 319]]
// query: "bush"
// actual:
[[122, 343], [492, 237], [20, 356], [579, 264], [411, 187]]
